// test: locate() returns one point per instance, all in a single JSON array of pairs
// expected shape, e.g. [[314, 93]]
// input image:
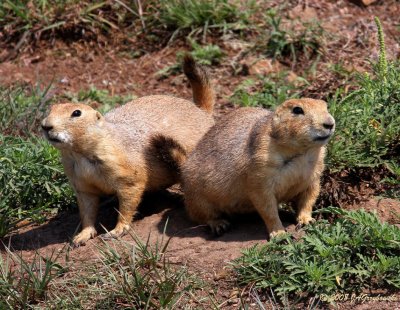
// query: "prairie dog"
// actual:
[[254, 159], [113, 154]]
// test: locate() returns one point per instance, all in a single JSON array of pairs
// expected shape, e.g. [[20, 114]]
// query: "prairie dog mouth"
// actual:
[[54, 140], [58, 137], [322, 138]]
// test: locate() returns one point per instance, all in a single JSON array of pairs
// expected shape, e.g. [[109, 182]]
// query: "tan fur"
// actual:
[[203, 92], [254, 159], [114, 154]]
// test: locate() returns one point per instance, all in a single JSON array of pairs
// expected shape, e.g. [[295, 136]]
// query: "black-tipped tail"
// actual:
[[169, 151]]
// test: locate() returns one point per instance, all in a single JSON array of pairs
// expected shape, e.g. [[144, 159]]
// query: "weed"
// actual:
[[100, 96], [31, 181], [125, 275], [207, 54], [43, 17], [354, 253], [22, 108], [203, 54], [181, 15], [142, 276], [267, 92], [281, 42], [368, 119], [28, 284]]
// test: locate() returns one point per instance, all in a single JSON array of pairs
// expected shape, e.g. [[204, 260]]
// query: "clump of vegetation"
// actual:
[[31, 180], [368, 122], [206, 54], [134, 275], [25, 21], [141, 276], [22, 108], [29, 282], [354, 253], [267, 92], [98, 96], [192, 15], [282, 43], [41, 17], [203, 54]]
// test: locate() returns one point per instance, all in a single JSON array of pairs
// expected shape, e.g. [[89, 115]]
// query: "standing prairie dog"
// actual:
[[113, 154], [254, 159]]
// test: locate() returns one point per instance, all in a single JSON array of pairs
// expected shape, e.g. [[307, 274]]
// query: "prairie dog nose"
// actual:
[[328, 126], [47, 128], [329, 123]]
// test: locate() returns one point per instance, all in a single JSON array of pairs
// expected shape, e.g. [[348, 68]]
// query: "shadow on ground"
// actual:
[[65, 225]]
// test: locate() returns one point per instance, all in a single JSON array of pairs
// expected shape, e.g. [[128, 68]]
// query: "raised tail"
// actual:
[[203, 92], [169, 151]]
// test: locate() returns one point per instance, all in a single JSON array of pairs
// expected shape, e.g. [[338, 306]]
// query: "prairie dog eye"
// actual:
[[76, 113], [297, 110]]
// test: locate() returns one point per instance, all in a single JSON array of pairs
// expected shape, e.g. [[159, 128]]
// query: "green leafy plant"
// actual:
[[283, 42], [22, 108], [142, 276], [31, 181], [179, 15], [267, 92], [368, 119], [28, 283], [203, 54], [132, 274], [100, 96], [353, 253], [43, 17]]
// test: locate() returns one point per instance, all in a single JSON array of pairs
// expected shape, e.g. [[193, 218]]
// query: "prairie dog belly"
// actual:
[[88, 176]]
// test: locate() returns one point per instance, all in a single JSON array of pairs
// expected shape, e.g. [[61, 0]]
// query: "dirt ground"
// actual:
[[76, 66], [162, 216]]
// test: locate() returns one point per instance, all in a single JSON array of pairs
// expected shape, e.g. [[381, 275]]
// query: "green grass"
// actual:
[[368, 123], [283, 42], [368, 119], [354, 253], [22, 108], [31, 180], [98, 96], [44, 17], [25, 285], [181, 15], [208, 55], [267, 92], [126, 275], [72, 19]]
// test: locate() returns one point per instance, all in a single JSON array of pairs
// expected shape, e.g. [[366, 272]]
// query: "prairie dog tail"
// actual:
[[169, 151], [203, 92]]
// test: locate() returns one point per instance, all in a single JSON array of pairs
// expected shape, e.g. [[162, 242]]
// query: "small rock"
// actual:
[[364, 2], [222, 274], [236, 45], [234, 294], [294, 79], [262, 66], [305, 14]]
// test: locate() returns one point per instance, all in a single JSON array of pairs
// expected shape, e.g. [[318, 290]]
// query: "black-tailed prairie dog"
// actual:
[[254, 159], [113, 154]]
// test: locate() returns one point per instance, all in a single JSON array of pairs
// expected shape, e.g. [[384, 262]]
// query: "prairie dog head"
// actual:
[[302, 124], [67, 123]]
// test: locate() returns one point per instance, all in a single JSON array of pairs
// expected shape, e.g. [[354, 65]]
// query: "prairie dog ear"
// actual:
[[98, 115]]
